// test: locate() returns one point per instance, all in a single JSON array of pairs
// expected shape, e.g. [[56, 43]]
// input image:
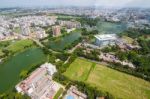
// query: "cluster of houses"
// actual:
[[31, 26], [112, 58]]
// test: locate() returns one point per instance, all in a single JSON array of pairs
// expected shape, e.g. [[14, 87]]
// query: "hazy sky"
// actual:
[[110, 3]]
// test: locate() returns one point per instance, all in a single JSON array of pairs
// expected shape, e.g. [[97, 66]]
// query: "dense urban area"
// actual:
[[74, 53]]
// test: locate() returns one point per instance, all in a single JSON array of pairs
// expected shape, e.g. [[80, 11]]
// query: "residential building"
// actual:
[[74, 93], [70, 24], [56, 30], [25, 29], [40, 33]]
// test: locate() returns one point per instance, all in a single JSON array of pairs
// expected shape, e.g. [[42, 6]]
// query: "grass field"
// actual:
[[60, 91], [128, 39], [119, 84], [78, 70], [19, 45]]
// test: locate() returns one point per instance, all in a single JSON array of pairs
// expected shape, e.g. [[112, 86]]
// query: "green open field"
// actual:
[[78, 70], [127, 39], [60, 91], [119, 84], [19, 45]]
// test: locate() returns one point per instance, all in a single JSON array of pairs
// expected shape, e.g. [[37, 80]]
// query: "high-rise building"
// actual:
[[25, 29], [56, 30]]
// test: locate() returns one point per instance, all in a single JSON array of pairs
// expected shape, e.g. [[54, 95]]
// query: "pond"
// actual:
[[108, 27], [62, 42], [10, 70]]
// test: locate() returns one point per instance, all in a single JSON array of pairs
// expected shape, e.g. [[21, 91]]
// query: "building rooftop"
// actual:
[[106, 37], [39, 84]]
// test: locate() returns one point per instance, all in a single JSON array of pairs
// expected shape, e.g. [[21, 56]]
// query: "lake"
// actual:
[[10, 70], [62, 42], [108, 27]]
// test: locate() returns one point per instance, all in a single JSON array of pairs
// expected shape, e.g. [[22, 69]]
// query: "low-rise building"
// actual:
[[39, 85], [70, 24], [25, 29], [40, 33], [105, 39], [74, 93], [112, 58]]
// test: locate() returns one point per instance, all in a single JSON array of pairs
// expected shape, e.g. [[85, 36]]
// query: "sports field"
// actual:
[[119, 84], [79, 70]]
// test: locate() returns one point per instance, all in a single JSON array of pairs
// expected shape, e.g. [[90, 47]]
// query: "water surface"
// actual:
[[10, 70]]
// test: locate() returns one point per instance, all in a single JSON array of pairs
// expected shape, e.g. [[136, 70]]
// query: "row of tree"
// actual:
[[88, 21]]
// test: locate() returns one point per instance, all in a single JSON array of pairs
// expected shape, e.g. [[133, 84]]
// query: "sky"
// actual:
[[53, 3]]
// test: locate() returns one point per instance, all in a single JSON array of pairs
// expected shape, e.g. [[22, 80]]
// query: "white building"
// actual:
[[40, 33], [105, 39], [51, 69], [39, 85]]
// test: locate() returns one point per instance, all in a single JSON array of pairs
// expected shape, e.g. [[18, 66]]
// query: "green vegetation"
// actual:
[[78, 70], [87, 33], [139, 57], [128, 39], [118, 84], [66, 17], [19, 45], [136, 33], [4, 44], [92, 54], [13, 95], [60, 91], [1, 53], [88, 21], [24, 74]]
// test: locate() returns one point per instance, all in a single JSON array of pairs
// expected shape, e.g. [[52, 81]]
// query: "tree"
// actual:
[[24, 74], [121, 55]]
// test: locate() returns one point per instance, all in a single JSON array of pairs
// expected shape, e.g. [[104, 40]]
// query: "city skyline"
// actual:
[[57, 3]]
